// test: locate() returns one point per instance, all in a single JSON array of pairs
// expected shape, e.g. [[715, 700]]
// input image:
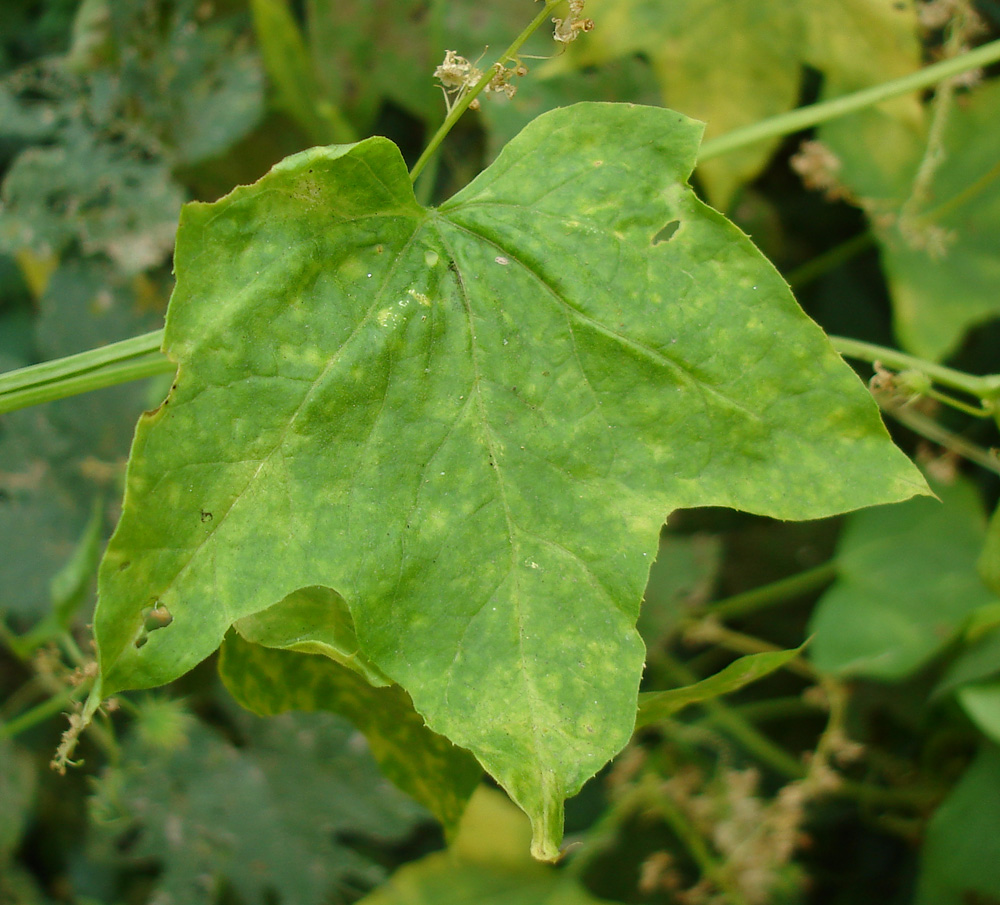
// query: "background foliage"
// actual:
[[867, 770]]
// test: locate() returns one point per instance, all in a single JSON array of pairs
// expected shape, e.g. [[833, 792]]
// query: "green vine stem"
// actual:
[[462, 104], [120, 362], [777, 593], [814, 114], [829, 260], [986, 388]]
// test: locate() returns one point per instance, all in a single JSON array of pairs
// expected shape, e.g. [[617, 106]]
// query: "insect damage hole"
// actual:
[[667, 233]]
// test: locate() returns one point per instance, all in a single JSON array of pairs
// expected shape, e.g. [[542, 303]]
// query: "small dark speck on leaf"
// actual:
[[123, 566], [206, 516], [667, 233]]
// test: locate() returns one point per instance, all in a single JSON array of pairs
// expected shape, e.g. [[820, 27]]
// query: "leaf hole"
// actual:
[[667, 233]]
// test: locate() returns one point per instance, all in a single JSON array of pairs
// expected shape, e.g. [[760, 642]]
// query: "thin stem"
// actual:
[[929, 428], [985, 388], [135, 368], [692, 840], [775, 594], [72, 365], [957, 404], [462, 104], [814, 114], [40, 712], [747, 735], [829, 260]]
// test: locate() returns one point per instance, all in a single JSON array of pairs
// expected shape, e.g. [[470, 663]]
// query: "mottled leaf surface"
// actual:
[[312, 621], [471, 422], [423, 764]]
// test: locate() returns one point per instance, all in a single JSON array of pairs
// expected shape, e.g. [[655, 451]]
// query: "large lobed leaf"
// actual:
[[471, 423]]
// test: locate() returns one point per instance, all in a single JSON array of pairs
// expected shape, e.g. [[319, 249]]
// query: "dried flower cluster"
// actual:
[[566, 30], [819, 169], [457, 76]]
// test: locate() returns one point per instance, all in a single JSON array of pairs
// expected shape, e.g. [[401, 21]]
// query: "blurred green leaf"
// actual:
[[962, 848], [57, 460], [941, 252], [906, 583], [420, 762], [185, 72], [17, 793], [263, 820], [287, 61], [989, 559], [732, 64], [661, 705], [681, 578], [487, 865], [981, 701], [104, 197]]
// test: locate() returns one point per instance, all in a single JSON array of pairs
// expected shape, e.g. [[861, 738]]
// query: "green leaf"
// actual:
[[661, 705], [471, 422], [312, 621], [487, 865], [425, 765], [942, 256], [262, 819], [906, 584], [989, 560], [962, 847], [17, 792], [981, 701], [288, 65]]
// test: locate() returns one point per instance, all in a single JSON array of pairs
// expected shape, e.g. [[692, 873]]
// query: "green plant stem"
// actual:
[[929, 428], [752, 740], [814, 114], [693, 841], [775, 594], [986, 388], [40, 712], [462, 104], [829, 260], [121, 362]]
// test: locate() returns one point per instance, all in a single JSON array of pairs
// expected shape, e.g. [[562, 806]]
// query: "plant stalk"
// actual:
[[985, 388], [775, 594], [462, 104], [814, 114], [120, 362]]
